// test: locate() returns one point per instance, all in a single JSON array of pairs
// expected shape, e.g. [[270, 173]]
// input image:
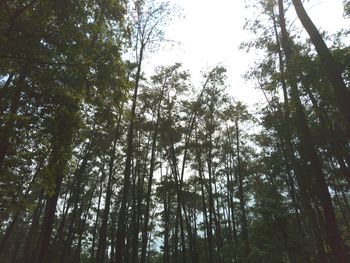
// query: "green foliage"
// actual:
[[225, 185]]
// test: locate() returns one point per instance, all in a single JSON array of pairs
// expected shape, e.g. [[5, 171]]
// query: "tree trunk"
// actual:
[[30, 239], [92, 256], [241, 195], [76, 195], [101, 249], [61, 147], [209, 233], [288, 150], [331, 69], [166, 204], [121, 229], [149, 187], [47, 224], [308, 152]]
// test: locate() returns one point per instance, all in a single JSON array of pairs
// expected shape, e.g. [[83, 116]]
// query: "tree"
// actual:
[[331, 68], [54, 77], [148, 21], [196, 176]]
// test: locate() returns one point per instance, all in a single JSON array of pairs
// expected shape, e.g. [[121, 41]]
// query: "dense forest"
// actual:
[[100, 162]]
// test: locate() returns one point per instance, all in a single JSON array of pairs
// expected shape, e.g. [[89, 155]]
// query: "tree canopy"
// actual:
[[101, 162]]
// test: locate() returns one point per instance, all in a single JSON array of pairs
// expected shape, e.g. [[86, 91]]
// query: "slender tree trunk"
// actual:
[[176, 240], [92, 256], [182, 231], [209, 233], [179, 178], [166, 203], [241, 194], [219, 239], [191, 236], [75, 199], [112, 254], [286, 141], [228, 198], [179, 219], [30, 239], [59, 238], [48, 220], [230, 178], [82, 224], [138, 209], [61, 148], [210, 194], [331, 69], [102, 244], [309, 153], [149, 187], [134, 228], [121, 228]]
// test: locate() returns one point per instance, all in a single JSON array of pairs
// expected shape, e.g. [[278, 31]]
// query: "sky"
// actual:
[[209, 33]]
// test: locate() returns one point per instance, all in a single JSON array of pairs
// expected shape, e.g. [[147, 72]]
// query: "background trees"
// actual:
[[102, 163]]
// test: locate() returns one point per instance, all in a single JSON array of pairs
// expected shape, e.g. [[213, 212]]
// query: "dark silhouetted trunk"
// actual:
[[61, 147], [331, 68], [94, 231], [102, 244], [121, 228], [150, 180], [241, 194], [308, 153]]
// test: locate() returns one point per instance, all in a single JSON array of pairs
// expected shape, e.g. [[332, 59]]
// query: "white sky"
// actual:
[[212, 30]]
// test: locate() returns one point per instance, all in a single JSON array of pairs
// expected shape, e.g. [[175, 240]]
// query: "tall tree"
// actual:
[[148, 20], [331, 68]]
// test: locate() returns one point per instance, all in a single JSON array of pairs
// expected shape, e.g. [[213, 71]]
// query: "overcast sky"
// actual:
[[211, 31]]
